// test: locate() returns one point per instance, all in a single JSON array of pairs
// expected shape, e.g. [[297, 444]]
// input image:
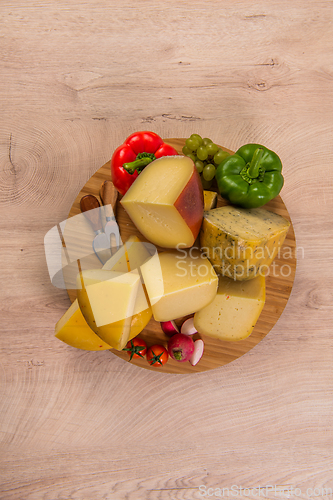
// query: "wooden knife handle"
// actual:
[[87, 204], [109, 195]]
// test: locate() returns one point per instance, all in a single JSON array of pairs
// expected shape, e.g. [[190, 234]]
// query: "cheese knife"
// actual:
[[91, 208], [109, 195]]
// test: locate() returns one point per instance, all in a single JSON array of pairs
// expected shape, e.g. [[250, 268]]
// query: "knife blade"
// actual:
[[91, 208], [109, 195]]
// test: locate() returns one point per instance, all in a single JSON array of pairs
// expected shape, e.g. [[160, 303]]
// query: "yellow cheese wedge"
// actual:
[[128, 258], [234, 311], [241, 243], [107, 300], [179, 284], [210, 200], [166, 202], [142, 313], [73, 329]]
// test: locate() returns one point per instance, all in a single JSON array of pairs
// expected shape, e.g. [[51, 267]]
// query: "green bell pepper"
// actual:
[[251, 177]]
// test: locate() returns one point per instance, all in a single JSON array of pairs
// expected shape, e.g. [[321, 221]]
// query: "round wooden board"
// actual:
[[217, 353]]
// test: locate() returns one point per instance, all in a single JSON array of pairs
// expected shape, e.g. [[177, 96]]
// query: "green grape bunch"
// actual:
[[206, 156]]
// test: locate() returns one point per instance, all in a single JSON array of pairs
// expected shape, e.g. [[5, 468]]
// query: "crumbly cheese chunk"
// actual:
[[242, 242]]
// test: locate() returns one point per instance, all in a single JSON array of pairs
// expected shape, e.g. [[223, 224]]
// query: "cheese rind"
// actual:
[[241, 243], [233, 313], [73, 329], [102, 306], [166, 202], [179, 284]]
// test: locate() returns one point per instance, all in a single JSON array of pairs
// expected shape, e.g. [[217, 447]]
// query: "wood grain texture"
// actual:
[[75, 80], [279, 282]]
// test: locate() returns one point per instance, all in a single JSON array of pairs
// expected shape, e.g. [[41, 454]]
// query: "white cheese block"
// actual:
[[178, 284], [234, 311], [166, 202]]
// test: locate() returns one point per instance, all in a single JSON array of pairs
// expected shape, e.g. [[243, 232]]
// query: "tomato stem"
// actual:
[[156, 358], [134, 349]]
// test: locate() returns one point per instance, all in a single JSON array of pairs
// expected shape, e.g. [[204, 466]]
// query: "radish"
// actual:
[[198, 352], [181, 347], [187, 327], [169, 328]]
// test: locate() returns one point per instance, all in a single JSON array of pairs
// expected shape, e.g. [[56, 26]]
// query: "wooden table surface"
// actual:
[[76, 78]]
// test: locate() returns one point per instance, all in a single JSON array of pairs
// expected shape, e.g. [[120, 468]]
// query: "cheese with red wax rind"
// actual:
[[166, 202]]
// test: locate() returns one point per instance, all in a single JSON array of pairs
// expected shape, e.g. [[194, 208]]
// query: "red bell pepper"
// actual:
[[134, 155]]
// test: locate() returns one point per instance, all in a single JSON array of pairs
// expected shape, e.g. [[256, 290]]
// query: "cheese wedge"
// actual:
[[73, 329], [234, 311], [107, 300], [178, 284], [210, 200], [166, 202], [128, 258], [241, 243]]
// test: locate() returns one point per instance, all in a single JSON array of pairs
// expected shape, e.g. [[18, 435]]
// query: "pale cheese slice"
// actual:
[[178, 284], [112, 299], [107, 300], [234, 311], [130, 256]]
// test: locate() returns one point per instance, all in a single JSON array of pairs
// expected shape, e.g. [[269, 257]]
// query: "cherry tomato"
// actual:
[[157, 355], [136, 348]]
